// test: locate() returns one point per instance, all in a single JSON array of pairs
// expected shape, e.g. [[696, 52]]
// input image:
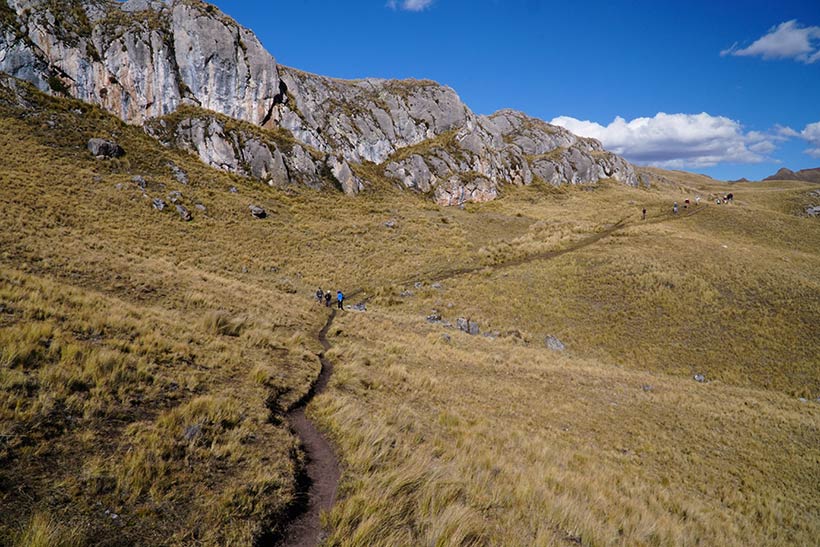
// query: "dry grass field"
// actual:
[[146, 362]]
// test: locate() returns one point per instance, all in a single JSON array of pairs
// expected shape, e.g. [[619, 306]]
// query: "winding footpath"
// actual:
[[322, 468]]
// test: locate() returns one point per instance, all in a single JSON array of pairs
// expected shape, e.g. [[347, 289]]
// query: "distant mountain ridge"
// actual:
[[805, 175], [177, 66]]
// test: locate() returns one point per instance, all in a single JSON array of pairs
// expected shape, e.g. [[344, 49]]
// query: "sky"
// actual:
[[726, 88]]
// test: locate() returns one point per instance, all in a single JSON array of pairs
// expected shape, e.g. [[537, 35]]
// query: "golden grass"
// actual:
[[145, 362]]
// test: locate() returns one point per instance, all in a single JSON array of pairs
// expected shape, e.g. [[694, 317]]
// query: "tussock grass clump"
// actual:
[[221, 323], [43, 531]]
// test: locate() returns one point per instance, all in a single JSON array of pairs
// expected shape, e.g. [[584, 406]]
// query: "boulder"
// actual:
[[470, 327], [554, 343], [102, 148], [184, 213], [257, 212]]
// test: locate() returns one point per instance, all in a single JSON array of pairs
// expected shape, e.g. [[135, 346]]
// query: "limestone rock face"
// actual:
[[365, 120], [140, 59], [196, 79], [250, 151]]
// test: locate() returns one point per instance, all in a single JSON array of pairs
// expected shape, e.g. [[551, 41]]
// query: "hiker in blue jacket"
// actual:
[[340, 298]]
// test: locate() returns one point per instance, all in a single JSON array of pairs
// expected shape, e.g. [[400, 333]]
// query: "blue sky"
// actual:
[[738, 82]]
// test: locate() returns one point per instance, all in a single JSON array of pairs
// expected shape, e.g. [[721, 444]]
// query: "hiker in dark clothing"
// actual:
[[320, 294], [327, 299], [340, 298], [643, 215]]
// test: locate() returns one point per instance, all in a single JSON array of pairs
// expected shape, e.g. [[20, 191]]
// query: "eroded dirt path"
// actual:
[[322, 468]]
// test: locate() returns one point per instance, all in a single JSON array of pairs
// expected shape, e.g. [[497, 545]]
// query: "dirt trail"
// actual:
[[322, 468]]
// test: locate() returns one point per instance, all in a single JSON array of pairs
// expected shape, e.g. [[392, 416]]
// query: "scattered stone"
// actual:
[[434, 317], [446, 324], [492, 335], [244, 269], [102, 148], [96, 178], [184, 213], [418, 284], [446, 337], [406, 294], [700, 378], [201, 207], [359, 307], [390, 223], [647, 387], [257, 211], [436, 285], [158, 204], [554, 343], [179, 174], [174, 196], [139, 180], [192, 432], [118, 186], [470, 327], [233, 190], [813, 211]]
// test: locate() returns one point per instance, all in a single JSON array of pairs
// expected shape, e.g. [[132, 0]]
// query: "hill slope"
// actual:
[[806, 175], [146, 361]]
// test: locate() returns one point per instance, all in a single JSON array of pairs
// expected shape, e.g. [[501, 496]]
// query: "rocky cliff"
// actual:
[[185, 70], [139, 59]]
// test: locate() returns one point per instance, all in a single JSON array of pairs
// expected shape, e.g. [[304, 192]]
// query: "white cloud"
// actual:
[[785, 41], [812, 135], [677, 140], [409, 5]]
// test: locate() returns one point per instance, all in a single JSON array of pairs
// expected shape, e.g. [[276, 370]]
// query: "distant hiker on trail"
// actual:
[[643, 214], [697, 200], [675, 208], [686, 204], [730, 198], [327, 299], [320, 294], [340, 298]]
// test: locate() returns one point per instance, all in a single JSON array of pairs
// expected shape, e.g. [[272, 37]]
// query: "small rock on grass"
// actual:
[[554, 343], [184, 213], [257, 212], [158, 204], [470, 327], [699, 378]]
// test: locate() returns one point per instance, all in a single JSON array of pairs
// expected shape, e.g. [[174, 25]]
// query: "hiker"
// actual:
[[327, 299], [686, 204], [643, 214], [730, 198], [675, 208], [320, 294], [697, 200], [340, 298]]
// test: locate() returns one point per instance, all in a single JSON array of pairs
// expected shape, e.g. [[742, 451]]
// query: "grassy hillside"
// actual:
[[146, 362]]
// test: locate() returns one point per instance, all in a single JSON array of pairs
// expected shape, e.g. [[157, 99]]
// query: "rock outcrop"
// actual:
[[197, 80], [139, 59]]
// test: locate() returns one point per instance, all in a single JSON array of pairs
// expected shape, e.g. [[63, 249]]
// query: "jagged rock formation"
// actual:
[[139, 59], [176, 65]]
